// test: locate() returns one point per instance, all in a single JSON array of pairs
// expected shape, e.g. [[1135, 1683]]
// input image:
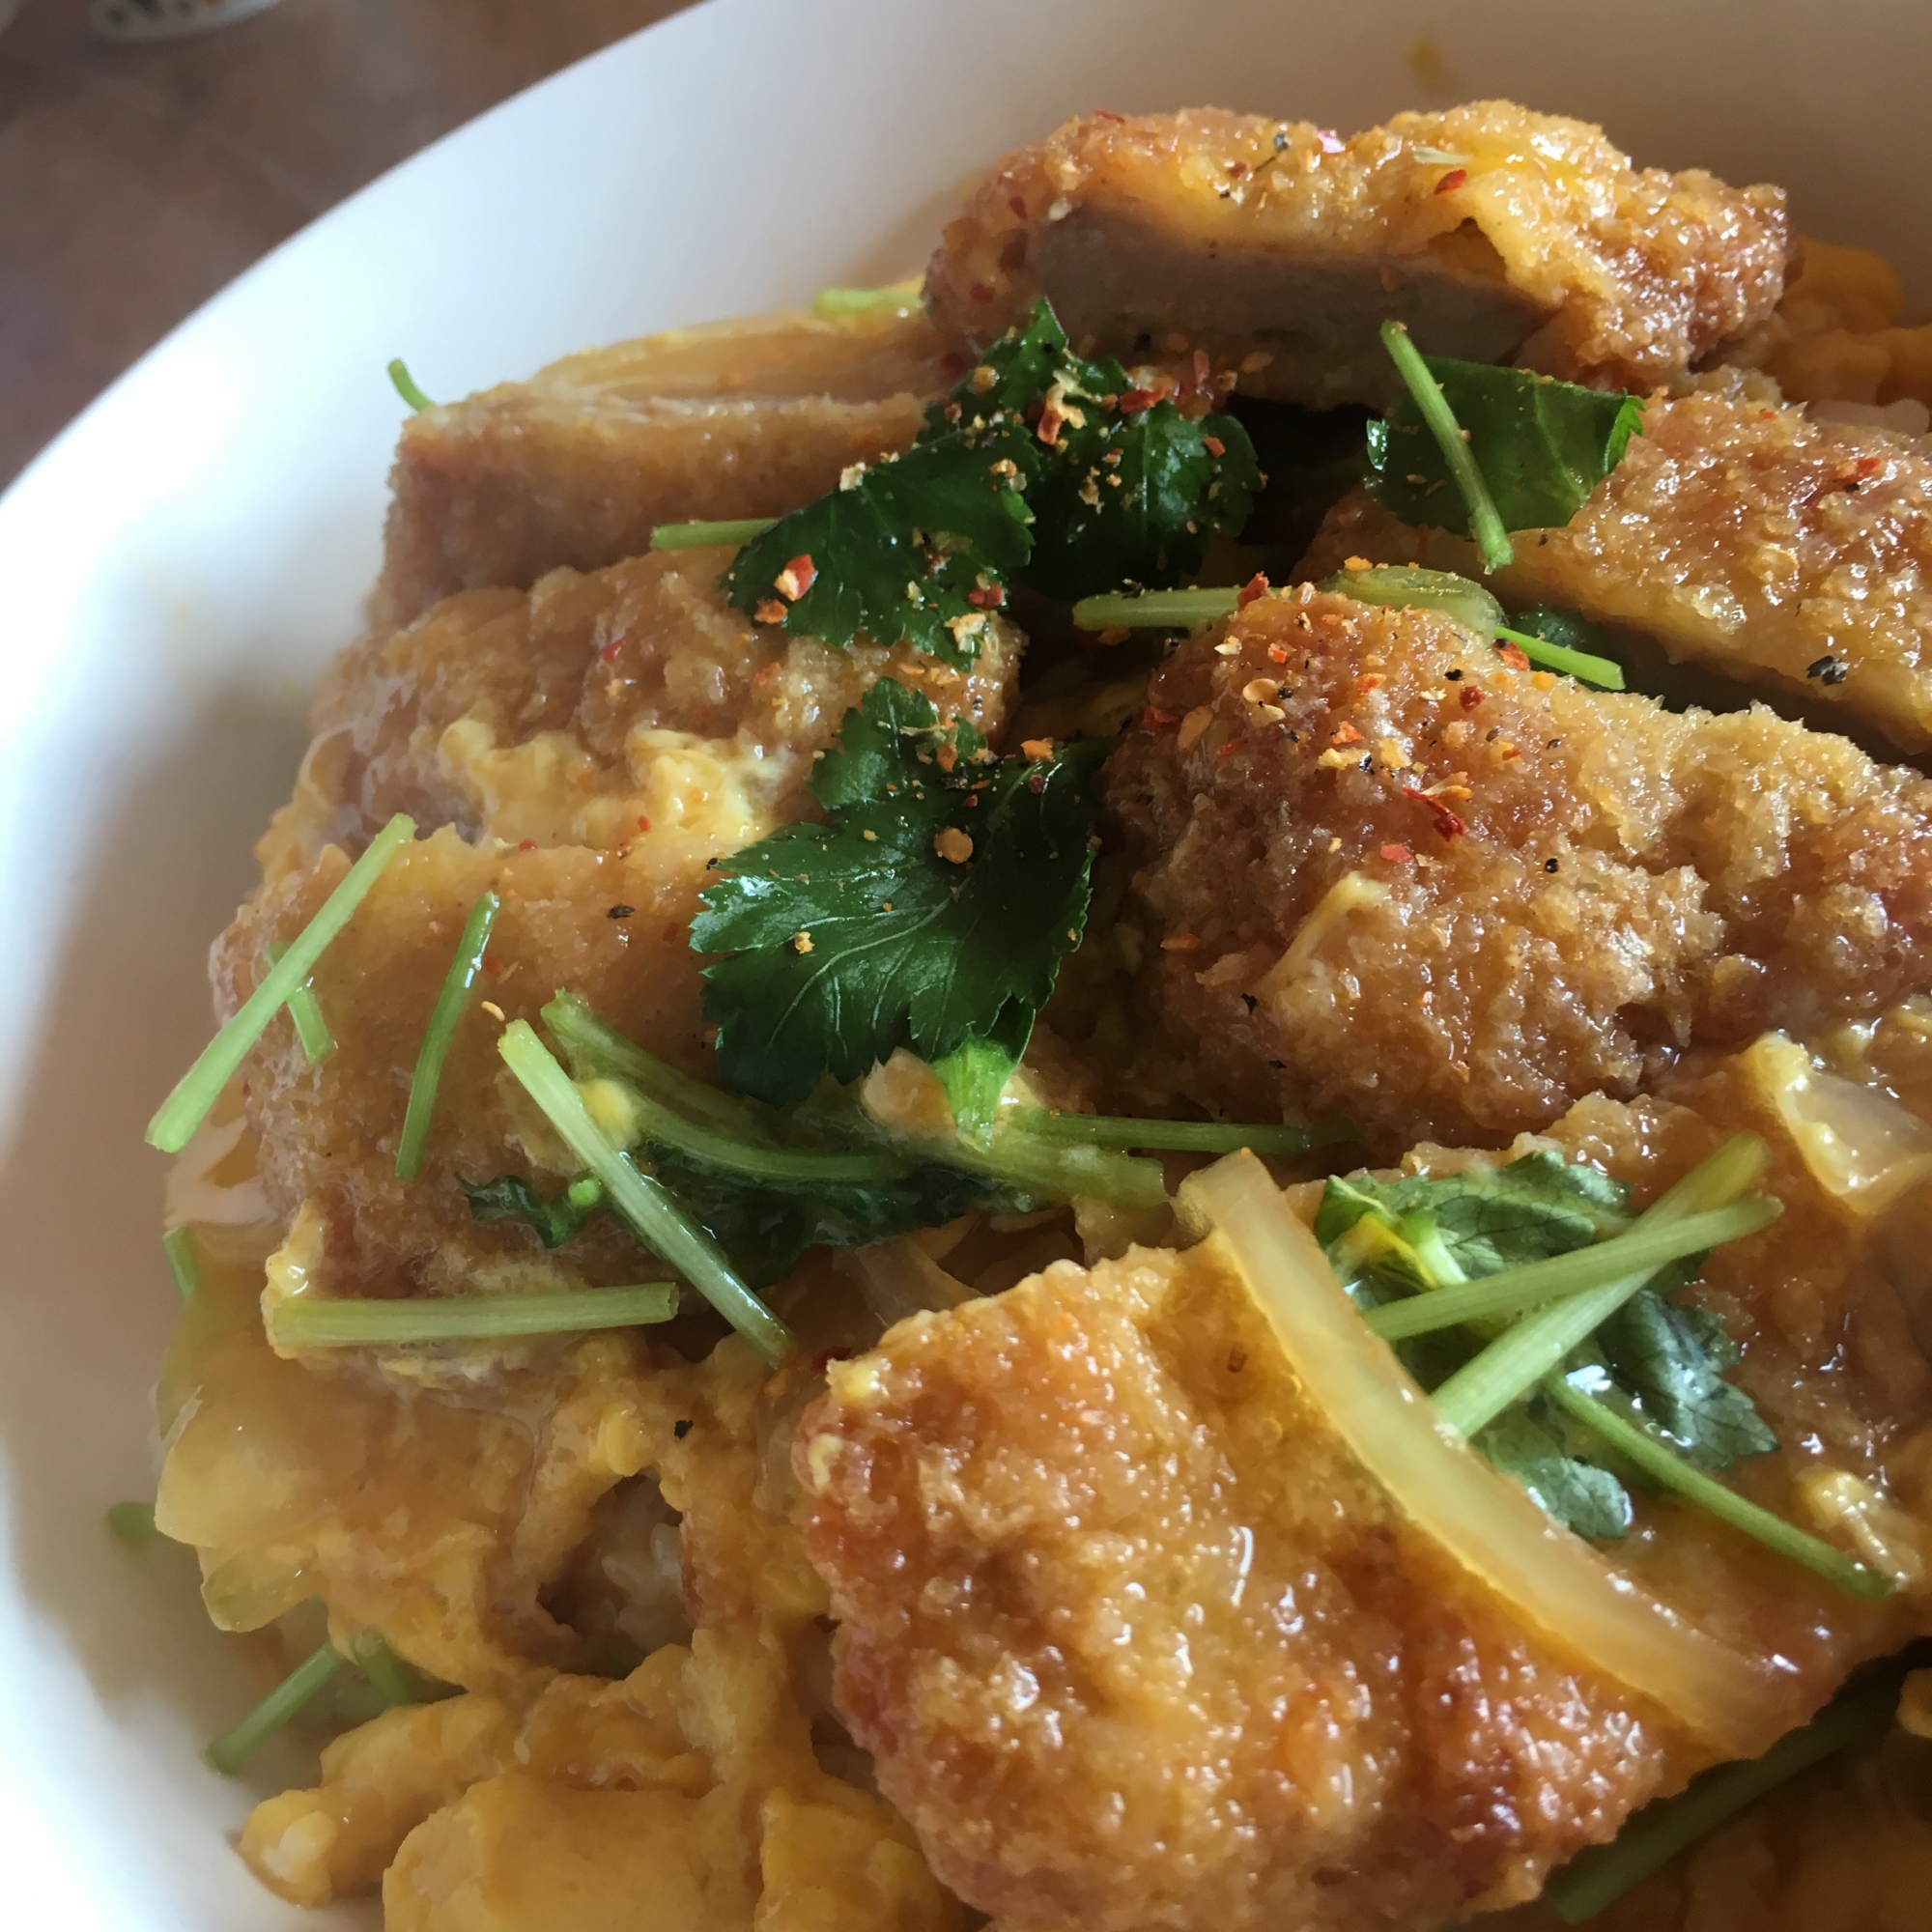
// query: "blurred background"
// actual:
[[138, 177]]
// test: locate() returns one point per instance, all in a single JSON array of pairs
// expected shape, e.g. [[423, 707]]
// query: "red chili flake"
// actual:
[[980, 292], [1229, 749], [764, 674], [992, 598], [1257, 586], [770, 611], [1154, 719], [1471, 698], [1107, 114], [1452, 180], [1134, 401], [643, 823], [1346, 734], [1050, 421], [952, 365], [1367, 682], [1278, 654], [1396, 855], [1017, 203], [1327, 140], [492, 966], [825, 1357], [1446, 821], [796, 577], [1512, 657], [609, 654], [526, 844], [1213, 445], [1236, 169], [1201, 368]]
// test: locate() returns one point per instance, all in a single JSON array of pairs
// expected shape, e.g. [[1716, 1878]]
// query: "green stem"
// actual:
[[1517, 1360], [300, 1688], [450, 1003], [829, 303], [1167, 610], [131, 1523], [315, 1322], [1663, 1466], [405, 387], [183, 1259], [1603, 672], [1595, 1879], [1053, 1171], [1110, 1130], [654, 1216], [756, 1160], [311, 1028], [1485, 523], [1641, 1250], [697, 536], [184, 1109], [595, 1048]]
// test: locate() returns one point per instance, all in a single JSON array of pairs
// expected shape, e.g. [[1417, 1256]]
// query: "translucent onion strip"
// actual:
[[1488, 1522], [195, 1092]]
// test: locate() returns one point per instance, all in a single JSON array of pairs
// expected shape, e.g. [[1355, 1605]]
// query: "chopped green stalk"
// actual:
[[183, 1112], [1031, 1164], [183, 1259], [974, 1077], [1485, 523], [1603, 672], [596, 1049], [458, 983], [1410, 586], [696, 536], [1166, 610], [300, 1688], [653, 1215], [1664, 1466], [1642, 1250], [829, 303], [1595, 1879], [1518, 1359], [311, 1029], [1110, 1130], [316, 1321], [405, 387], [131, 1523], [395, 1682]]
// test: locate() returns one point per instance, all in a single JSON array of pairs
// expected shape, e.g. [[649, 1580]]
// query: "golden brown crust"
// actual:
[[1540, 244], [1137, 1644], [575, 465], [1313, 937], [1744, 537]]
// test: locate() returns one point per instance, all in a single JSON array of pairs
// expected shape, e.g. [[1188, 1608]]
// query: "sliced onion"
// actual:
[[1490, 1524]]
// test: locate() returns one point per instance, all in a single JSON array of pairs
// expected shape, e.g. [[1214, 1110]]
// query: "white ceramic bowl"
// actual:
[[175, 569]]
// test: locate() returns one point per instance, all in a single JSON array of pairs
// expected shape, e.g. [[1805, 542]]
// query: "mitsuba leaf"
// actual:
[[510, 1197], [1040, 468], [884, 927], [1579, 1494], [1543, 445], [1671, 1356]]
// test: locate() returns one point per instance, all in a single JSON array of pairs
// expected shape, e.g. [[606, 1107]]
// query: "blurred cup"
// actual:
[[135, 22]]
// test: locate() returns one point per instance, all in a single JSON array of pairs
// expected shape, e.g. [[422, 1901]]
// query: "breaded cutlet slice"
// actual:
[[578, 464], [1496, 234], [1748, 539], [1382, 876], [1147, 1634]]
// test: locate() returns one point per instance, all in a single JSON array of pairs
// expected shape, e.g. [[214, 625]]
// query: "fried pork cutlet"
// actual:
[[1384, 877], [1496, 234], [1143, 1632], [578, 464], [1748, 539]]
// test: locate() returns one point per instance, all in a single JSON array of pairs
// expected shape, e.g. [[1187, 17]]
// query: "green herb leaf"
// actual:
[[848, 940], [1579, 1494], [557, 1220], [1671, 1358], [1041, 468], [1541, 447]]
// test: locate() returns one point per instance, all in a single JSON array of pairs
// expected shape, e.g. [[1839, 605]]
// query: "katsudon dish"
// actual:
[[1097, 1094]]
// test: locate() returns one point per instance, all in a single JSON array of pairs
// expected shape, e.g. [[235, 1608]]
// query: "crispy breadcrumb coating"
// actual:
[[1496, 234], [1385, 877], [1748, 539]]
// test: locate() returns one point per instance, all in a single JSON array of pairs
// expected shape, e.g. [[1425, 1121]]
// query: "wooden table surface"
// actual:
[[135, 181]]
